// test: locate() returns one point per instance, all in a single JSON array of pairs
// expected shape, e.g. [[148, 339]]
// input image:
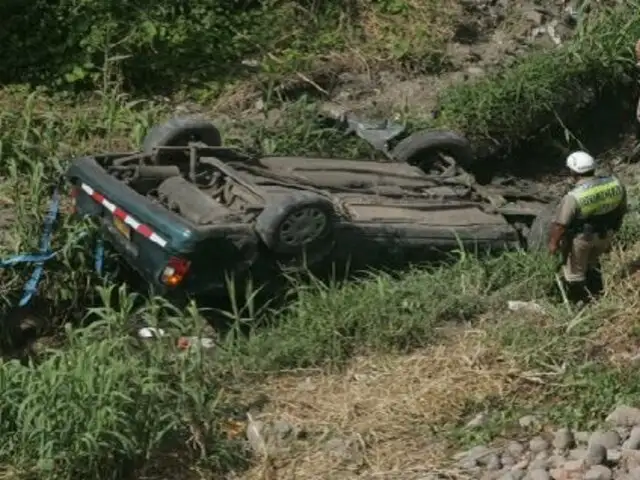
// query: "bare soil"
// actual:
[[486, 34]]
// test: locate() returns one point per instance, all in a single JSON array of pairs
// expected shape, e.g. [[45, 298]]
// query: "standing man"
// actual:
[[584, 226]]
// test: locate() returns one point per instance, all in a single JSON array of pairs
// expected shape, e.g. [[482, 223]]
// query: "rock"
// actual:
[[556, 461], [598, 472], [255, 436], [563, 439], [475, 71], [578, 453], [507, 460], [492, 462], [282, 430], [571, 470], [515, 449], [633, 442], [596, 454], [345, 448], [582, 437], [477, 421], [538, 444], [614, 455], [528, 421], [521, 465], [510, 476], [606, 438], [538, 474], [492, 475], [541, 463], [630, 459], [624, 416], [513, 475], [534, 17], [623, 432], [468, 463]]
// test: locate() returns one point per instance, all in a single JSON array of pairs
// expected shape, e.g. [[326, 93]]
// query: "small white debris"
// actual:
[[518, 306], [151, 332]]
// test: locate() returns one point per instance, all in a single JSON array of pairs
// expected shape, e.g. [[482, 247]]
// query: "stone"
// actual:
[[538, 464], [598, 472], [344, 448], [563, 439], [514, 475], [507, 460], [556, 461], [538, 444], [534, 17], [606, 438], [491, 475], [282, 430], [614, 455], [515, 449], [528, 421], [571, 470], [633, 441], [582, 437], [477, 421], [624, 416], [509, 476], [596, 454], [623, 432], [577, 453], [491, 462], [630, 459], [538, 474]]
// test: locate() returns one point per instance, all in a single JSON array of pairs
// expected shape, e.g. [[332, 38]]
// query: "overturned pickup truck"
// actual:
[[187, 213]]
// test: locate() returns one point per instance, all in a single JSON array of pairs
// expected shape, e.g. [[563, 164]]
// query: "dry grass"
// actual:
[[389, 403]]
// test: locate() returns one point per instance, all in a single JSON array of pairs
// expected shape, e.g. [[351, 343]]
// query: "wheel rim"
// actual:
[[303, 227]]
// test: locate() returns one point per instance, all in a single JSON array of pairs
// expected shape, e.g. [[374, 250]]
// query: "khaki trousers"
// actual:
[[584, 255]]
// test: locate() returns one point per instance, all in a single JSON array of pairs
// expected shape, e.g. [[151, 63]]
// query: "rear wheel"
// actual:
[[435, 151], [180, 132], [298, 227]]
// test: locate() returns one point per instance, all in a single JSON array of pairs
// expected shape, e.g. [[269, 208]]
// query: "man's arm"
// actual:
[[563, 219]]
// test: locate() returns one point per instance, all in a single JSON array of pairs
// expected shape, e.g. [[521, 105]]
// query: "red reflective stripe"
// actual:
[[121, 214], [145, 231], [142, 229]]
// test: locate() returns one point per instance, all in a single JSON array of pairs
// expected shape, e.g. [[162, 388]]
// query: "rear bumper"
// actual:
[[152, 234]]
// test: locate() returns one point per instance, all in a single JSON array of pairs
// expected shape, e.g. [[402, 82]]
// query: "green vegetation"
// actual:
[[100, 404], [155, 44]]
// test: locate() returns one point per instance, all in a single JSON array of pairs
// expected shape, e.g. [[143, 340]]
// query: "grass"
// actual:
[[396, 364]]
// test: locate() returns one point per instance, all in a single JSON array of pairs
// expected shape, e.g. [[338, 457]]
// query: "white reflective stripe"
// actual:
[[87, 188], [157, 239], [132, 222], [108, 205]]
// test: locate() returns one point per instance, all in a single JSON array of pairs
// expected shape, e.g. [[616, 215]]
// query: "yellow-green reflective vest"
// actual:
[[598, 196]]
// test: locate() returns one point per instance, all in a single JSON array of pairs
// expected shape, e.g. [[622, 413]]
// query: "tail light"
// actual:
[[175, 271]]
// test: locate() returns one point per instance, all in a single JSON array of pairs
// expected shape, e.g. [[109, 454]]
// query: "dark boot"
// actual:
[[576, 292], [595, 282]]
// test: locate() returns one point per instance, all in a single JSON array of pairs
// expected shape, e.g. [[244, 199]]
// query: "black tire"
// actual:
[[180, 131], [275, 223], [538, 235], [420, 149]]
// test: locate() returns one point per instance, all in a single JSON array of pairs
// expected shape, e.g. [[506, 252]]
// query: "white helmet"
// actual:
[[581, 162]]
